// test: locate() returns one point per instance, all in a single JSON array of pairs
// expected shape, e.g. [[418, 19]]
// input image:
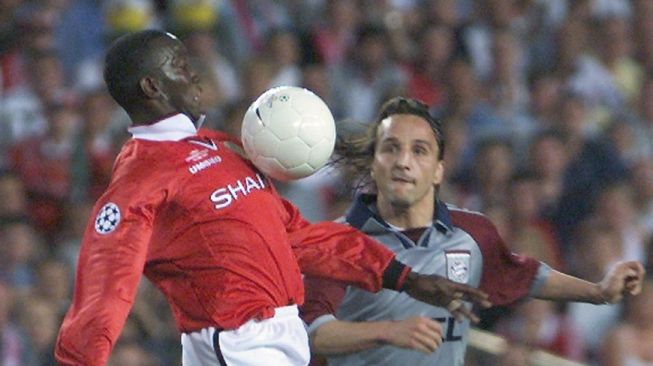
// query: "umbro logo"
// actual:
[[196, 168], [197, 155]]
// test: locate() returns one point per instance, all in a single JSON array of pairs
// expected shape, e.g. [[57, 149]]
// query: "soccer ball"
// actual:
[[288, 133]]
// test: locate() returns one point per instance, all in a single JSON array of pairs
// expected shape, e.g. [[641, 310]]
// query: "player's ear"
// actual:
[[438, 174], [150, 87]]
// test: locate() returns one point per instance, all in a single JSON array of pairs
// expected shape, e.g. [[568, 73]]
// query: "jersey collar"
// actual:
[[173, 128], [361, 212]]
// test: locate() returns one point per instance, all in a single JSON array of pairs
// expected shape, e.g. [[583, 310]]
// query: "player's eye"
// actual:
[[390, 148], [419, 150]]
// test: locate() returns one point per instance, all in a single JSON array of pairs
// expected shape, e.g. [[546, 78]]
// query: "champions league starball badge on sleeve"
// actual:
[[107, 219]]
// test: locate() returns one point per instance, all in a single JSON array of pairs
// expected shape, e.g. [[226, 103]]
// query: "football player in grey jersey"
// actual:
[[402, 158]]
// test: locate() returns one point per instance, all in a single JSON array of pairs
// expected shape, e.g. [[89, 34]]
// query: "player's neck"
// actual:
[[420, 214]]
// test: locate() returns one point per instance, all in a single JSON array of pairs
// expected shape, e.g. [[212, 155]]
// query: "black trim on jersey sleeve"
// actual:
[[394, 275]]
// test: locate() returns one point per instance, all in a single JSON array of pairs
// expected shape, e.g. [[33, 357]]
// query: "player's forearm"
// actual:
[[90, 353], [342, 253], [337, 337], [562, 287]]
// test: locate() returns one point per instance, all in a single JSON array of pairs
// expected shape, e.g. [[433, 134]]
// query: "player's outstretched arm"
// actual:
[[624, 278], [439, 291], [337, 337]]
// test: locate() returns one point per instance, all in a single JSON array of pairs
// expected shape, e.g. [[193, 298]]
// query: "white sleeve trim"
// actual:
[[323, 319], [543, 273]]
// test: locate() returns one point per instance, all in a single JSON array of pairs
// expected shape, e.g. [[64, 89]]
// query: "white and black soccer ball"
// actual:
[[288, 133]]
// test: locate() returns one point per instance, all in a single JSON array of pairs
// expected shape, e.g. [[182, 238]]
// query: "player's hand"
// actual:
[[439, 291], [418, 333], [624, 278]]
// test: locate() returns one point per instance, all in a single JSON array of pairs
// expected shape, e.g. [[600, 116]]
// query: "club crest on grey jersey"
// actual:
[[458, 264]]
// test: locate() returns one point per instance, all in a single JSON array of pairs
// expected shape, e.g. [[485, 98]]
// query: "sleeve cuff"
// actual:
[[319, 322], [395, 275], [543, 273]]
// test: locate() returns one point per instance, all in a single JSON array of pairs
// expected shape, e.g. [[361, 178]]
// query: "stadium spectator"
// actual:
[[630, 342], [202, 45], [643, 189], [466, 106], [334, 37], [16, 349], [593, 164], [597, 249], [425, 76], [44, 164], [537, 324], [93, 148], [368, 74], [548, 159], [22, 115], [131, 354], [13, 199], [615, 210], [20, 249], [282, 48], [530, 233], [39, 319]]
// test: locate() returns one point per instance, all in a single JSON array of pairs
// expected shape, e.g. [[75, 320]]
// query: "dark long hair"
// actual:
[[354, 152]]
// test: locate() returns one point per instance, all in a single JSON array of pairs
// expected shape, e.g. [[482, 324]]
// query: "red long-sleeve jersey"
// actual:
[[209, 230]]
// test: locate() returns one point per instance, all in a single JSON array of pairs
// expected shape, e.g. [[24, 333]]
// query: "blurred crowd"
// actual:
[[547, 107]]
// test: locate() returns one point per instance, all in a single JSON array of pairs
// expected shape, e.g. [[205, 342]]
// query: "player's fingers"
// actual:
[[433, 327], [637, 267], [454, 305], [632, 269], [428, 341], [463, 313], [633, 285], [630, 273], [474, 295], [416, 345], [422, 343]]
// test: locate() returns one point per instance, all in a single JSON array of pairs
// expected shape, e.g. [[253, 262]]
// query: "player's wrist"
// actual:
[[409, 281], [384, 332], [600, 297]]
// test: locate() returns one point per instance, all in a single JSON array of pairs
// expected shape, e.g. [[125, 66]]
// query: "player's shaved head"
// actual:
[[130, 58]]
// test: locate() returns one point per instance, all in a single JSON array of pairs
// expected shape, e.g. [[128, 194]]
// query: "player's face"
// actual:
[[406, 166], [180, 83]]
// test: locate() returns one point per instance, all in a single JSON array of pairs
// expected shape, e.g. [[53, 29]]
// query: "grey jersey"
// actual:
[[460, 245]]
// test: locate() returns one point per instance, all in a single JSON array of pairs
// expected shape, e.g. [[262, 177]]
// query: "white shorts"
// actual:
[[278, 341]]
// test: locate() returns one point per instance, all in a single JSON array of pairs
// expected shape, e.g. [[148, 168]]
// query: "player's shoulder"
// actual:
[[468, 219], [138, 160], [463, 212]]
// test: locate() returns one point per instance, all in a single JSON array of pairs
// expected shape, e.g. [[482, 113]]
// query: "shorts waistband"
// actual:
[[284, 311]]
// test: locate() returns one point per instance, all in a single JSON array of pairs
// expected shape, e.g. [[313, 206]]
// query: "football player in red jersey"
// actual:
[[188, 211]]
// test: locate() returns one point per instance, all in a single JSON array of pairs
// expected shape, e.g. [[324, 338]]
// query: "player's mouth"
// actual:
[[402, 179]]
